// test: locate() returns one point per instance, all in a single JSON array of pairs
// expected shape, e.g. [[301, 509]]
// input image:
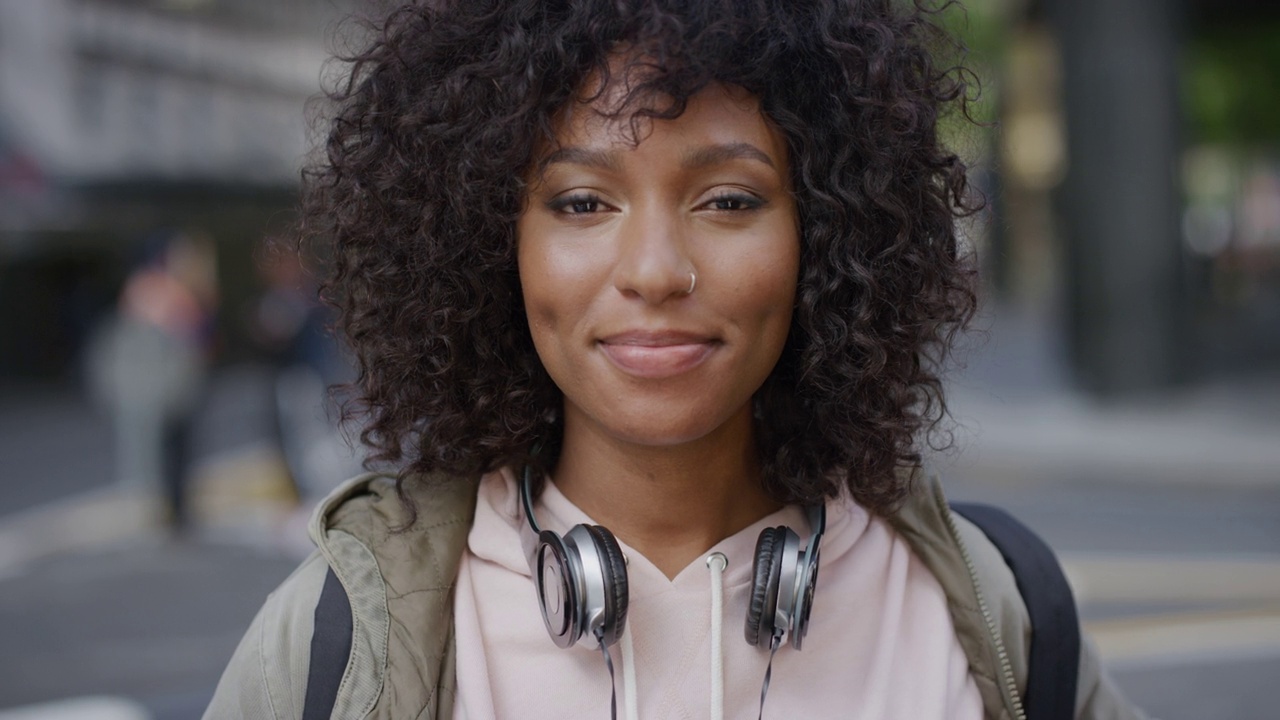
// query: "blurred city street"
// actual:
[[1172, 541], [1119, 392], [1164, 509], [95, 598]]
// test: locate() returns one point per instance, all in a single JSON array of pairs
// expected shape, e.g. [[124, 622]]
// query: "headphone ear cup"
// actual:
[[765, 569], [616, 591], [804, 603], [558, 594]]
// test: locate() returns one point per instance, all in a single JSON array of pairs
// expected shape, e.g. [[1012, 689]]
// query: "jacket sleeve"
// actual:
[[267, 675], [1097, 697]]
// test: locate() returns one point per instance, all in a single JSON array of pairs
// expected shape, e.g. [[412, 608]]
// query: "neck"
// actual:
[[670, 503]]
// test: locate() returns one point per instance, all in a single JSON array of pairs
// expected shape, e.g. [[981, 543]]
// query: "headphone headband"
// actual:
[[526, 498], [582, 580]]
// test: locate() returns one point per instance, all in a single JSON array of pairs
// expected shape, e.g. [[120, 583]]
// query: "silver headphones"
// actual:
[[784, 576], [582, 581]]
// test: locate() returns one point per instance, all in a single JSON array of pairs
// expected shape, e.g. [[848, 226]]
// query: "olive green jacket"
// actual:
[[400, 585]]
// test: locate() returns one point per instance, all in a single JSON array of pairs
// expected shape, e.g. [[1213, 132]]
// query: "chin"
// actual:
[[664, 429], [660, 437]]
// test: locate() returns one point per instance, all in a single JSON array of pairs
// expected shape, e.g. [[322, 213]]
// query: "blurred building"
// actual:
[[1137, 190], [103, 93], [118, 117]]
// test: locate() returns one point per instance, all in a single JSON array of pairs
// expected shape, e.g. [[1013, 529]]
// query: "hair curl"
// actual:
[[422, 180]]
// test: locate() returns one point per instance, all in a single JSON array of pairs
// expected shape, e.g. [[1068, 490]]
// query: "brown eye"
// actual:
[[576, 204], [735, 202]]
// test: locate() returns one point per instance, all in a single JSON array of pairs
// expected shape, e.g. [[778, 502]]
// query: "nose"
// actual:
[[653, 260]]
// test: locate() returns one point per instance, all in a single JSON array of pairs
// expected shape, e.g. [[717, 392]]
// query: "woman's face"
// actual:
[[608, 239]]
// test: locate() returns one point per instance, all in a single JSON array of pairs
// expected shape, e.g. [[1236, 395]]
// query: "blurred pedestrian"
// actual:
[[148, 365], [291, 326]]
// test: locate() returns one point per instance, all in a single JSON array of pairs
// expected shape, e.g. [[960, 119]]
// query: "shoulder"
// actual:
[[371, 536], [990, 615], [374, 506], [260, 680], [999, 591], [384, 560], [965, 561]]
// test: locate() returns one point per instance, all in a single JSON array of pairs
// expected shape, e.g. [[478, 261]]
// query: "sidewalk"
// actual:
[[58, 494], [1215, 435], [1014, 409]]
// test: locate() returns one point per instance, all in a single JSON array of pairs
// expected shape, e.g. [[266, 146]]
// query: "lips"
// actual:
[[657, 354]]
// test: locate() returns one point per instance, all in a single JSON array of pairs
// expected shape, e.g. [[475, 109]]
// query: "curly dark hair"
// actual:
[[424, 173]]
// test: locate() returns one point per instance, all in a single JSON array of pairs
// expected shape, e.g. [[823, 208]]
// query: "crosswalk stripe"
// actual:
[[83, 708], [1112, 578], [1183, 638]]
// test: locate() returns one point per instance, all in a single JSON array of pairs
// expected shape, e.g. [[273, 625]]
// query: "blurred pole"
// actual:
[[1119, 202]]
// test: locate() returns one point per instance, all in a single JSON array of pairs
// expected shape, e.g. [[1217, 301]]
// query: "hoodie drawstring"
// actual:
[[630, 708], [717, 562]]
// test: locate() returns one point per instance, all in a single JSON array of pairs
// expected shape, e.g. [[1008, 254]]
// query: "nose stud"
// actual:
[[693, 281]]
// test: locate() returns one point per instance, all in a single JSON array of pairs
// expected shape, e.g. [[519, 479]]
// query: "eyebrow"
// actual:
[[603, 159], [724, 152], [697, 159]]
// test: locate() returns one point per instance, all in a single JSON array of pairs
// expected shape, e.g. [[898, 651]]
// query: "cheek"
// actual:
[[540, 267], [532, 266], [763, 278], [777, 304], [558, 268], [778, 283], [554, 281], [770, 293]]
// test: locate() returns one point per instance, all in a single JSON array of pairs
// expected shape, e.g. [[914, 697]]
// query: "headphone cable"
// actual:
[[613, 684], [768, 672]]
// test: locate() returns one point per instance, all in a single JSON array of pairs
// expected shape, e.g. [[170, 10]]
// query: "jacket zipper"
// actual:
[[1006, 670]]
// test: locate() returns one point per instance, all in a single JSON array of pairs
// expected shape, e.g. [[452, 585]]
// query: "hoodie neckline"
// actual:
[[499, 535]]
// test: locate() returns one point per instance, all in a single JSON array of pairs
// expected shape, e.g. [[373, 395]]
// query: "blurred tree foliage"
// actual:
[[1231, 84], [981, 26]]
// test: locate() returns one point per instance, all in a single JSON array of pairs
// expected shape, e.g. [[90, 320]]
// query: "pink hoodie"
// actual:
[[880, 642]]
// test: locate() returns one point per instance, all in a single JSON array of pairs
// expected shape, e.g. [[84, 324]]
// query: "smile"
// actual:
[[654, 356]]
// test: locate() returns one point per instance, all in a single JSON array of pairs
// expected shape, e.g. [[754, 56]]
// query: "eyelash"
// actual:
[[746, 202], [567, 203], [564, 204]]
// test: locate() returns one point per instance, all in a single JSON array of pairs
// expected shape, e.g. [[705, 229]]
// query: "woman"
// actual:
[[681, 270]]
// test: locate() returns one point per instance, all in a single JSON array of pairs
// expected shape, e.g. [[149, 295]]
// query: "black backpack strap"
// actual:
[[1054, 660], [330, 649]]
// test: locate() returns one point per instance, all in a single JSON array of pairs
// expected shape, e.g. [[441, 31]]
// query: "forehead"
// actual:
[[613, 118]]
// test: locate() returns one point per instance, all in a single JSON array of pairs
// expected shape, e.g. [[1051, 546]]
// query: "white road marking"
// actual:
[[86, 708], [1242, 619], [1138, 578], [1187, 638], [88, 520], [239, 488]]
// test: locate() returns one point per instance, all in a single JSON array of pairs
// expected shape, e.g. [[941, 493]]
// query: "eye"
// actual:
[[576, 204], [734, 202]]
